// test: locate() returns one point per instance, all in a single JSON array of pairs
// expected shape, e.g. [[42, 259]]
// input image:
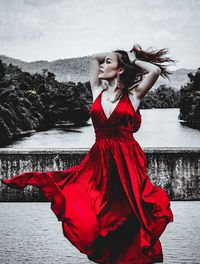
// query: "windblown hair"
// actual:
[[133, 74]]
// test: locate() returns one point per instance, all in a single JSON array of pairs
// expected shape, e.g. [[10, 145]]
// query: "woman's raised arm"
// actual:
[[95, 61], [149, 79]]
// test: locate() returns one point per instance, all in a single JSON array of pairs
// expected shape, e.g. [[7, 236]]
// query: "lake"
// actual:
[[159, 128], [30, 233]]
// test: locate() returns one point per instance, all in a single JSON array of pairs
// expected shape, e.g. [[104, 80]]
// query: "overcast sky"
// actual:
[[55, 29]]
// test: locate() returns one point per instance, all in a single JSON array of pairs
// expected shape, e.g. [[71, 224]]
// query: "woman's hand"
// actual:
[[131, 56]]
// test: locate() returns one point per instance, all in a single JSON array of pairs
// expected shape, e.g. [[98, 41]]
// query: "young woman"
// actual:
[[108, 207]]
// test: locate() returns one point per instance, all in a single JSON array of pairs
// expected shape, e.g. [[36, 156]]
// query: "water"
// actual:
[[30, 233], [160, 128]]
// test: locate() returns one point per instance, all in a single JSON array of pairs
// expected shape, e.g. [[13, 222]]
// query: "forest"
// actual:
[[36, 102]]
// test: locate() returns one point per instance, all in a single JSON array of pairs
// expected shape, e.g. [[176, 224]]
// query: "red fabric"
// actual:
[[108, 207]]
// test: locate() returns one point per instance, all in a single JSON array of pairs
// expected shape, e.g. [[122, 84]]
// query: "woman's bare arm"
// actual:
[[95, 61], [149, 79]]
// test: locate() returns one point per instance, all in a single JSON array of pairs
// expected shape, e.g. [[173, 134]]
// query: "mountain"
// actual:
[[177, 78], [77, 70]]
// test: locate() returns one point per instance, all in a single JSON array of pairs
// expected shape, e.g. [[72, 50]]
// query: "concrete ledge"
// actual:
[[176, 170], [85, 150]]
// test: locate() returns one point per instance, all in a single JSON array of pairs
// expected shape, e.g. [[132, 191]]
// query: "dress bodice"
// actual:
[[124, 119]]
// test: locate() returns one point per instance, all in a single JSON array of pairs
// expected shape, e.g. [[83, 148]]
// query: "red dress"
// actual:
[[108, 207]]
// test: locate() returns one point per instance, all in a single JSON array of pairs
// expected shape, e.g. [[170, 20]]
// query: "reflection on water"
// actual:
[[159, 128]]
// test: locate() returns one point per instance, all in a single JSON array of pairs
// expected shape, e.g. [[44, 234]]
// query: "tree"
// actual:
[[190, 101], [2, 70], [162, 97]]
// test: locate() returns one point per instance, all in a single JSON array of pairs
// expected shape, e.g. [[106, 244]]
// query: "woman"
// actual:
[[109, 208]]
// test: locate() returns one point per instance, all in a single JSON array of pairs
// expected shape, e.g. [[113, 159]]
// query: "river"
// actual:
[[159, 128]]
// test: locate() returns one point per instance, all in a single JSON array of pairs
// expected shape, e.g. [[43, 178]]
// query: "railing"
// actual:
[[176, 170]]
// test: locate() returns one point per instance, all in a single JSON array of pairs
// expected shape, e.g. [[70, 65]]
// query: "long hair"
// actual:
[[133, 74]]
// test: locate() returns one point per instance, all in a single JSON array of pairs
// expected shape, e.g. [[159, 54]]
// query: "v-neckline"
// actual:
[[108, 118]]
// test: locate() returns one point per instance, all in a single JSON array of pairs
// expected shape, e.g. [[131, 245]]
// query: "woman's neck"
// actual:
[[111, 86], [111, 93]]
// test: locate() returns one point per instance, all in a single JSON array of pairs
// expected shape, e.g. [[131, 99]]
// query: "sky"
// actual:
[[33, 30]]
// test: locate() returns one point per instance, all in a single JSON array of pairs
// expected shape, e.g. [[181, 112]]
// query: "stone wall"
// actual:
[[176, 170]]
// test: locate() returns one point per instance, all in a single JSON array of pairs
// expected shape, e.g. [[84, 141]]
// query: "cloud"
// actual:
[[33, 36], [38, 3], [45, 29]]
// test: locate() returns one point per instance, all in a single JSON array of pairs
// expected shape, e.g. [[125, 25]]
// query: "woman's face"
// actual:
[[109, 69]]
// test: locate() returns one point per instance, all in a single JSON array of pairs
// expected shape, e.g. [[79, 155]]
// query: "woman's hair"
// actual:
[[133, 74]]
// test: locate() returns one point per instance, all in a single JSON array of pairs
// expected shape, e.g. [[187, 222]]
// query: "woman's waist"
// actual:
[[113, 133]]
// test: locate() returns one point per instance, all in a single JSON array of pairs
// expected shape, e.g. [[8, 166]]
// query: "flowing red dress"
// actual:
[[109, 209]]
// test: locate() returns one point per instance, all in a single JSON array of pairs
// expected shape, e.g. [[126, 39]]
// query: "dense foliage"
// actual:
[[190, 101], [162, 97], [36, 102]]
